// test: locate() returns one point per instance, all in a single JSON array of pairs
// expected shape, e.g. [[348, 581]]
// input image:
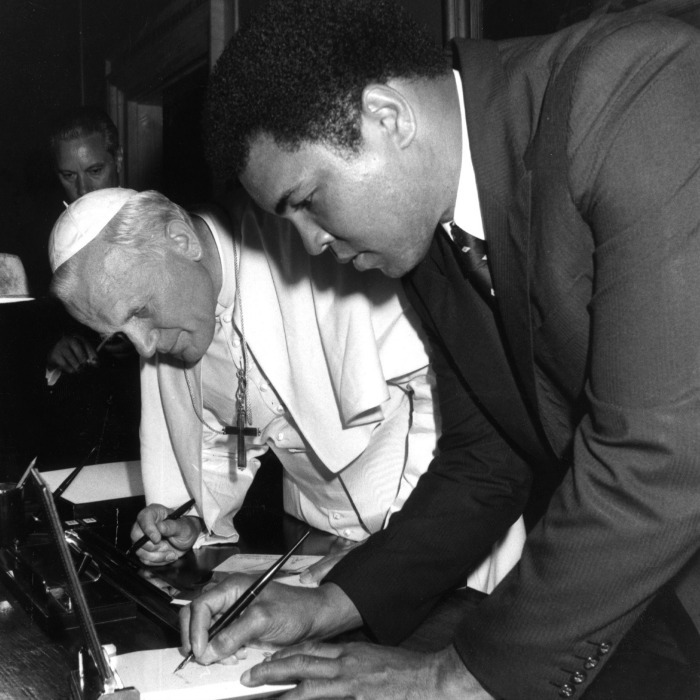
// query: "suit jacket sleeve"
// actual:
[[627, 516], [471, 493]]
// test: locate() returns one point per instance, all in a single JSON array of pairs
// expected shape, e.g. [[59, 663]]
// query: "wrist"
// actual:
[[335, 612], [453, 678]]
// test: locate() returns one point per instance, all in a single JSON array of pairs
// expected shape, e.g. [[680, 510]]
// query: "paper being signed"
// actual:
[[151, 673]]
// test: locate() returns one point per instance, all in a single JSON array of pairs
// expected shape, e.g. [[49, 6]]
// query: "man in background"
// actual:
[[87, 156]]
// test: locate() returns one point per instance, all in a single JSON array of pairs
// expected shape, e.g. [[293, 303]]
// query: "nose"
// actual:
[[145, 341], [83, 186], [315, 239]]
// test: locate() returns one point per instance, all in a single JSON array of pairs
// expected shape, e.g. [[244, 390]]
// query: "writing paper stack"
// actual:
[[151, 673]]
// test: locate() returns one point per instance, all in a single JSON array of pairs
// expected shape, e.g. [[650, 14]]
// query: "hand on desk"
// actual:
[[360, 670], [280, 615], [170, 539], [317, 572]]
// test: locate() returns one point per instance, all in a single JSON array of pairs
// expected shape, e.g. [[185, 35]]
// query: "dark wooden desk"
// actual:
[[36, 666]]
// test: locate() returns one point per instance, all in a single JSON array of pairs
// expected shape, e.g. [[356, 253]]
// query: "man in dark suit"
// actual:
[[575, 159]]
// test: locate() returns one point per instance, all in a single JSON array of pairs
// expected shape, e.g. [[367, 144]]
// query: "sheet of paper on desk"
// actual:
[[151, 673], [99, 482], [258, 564]]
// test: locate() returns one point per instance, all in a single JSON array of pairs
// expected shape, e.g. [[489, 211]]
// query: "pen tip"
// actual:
[[183, 663]]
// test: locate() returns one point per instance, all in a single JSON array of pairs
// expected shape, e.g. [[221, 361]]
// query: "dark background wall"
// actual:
[[53, 57], [42, 75]]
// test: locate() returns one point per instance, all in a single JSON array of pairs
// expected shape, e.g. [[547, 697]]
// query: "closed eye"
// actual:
[[303, 204]]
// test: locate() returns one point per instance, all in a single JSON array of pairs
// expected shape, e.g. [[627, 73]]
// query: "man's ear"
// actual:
[[183, 239], [388, 109]]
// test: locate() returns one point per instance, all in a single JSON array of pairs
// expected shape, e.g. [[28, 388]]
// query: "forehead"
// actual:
[[111, 281], [274, 172], [85, 148]]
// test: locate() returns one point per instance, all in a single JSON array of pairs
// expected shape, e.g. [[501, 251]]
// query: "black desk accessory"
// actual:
[[239, 607], [105, 676]]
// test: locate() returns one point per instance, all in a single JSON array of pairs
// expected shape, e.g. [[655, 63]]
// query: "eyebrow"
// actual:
[[283, 201]]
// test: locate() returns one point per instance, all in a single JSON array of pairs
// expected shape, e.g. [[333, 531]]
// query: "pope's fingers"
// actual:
[[157, 554]]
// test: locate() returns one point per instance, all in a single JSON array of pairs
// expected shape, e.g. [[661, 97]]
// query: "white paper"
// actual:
[[151, 673], [258, 564], [99, 482]]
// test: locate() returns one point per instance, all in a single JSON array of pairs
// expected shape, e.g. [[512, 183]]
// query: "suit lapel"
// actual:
[[466, 325], [503, 185]]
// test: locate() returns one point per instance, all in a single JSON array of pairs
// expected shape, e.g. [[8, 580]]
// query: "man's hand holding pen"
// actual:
[[281, 614], [168, 539]]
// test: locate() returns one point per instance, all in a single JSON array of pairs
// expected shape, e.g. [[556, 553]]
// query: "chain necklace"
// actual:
[[243, 412]]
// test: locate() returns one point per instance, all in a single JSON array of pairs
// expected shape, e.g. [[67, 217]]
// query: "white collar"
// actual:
[[467, 213]]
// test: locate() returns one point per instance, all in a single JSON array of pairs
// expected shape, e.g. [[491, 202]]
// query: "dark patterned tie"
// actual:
[[472, 255]]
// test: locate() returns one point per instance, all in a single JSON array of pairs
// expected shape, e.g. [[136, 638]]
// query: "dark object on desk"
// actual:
[[177, 513], [32, 573], [239, 607], [106, 682], [11, 515], [122, 574], [25, 329]]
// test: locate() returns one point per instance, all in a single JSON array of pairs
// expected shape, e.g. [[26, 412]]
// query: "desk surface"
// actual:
[[36, 667]]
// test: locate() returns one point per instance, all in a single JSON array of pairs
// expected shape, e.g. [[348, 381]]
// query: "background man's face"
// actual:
[[85, 165], [367, 208]]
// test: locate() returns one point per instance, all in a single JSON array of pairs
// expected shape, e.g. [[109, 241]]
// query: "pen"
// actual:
[[239, 607], [20, 483], [71, 477], [177, 513]]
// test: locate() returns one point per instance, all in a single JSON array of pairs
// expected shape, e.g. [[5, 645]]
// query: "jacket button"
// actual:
[[578, 677], [567, 691], [604, 648], [590, 662]]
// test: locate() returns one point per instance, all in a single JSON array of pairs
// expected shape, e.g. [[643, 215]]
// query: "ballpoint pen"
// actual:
[[60, 489], [174, 515], [239, 607]]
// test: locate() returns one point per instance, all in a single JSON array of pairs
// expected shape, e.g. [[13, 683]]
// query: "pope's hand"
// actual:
[[363, 671], [169, 539], [280, 615], [71, 354]]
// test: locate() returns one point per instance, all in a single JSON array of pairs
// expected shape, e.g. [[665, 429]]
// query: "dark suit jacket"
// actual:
[[586, 147]]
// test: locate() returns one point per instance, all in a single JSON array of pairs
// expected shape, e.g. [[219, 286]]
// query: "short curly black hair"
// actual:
[[297, 72]]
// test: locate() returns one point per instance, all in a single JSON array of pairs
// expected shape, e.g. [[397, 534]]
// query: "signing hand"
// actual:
[[280, 615], [169, 539], [363, 671], [71, 354]]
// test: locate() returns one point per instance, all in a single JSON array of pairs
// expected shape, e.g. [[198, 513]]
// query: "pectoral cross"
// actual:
[[242, 418]]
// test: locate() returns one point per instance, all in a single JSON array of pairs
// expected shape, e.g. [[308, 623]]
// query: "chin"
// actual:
[[190, 355]]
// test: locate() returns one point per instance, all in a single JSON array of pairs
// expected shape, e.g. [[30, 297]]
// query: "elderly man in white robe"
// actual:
[[240, 330]]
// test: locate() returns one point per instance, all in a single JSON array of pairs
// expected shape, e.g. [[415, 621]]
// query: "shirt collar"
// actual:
[[467, 213]]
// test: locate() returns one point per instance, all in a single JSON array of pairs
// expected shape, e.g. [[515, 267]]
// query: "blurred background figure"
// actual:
[[87, 156], [86, 151]]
